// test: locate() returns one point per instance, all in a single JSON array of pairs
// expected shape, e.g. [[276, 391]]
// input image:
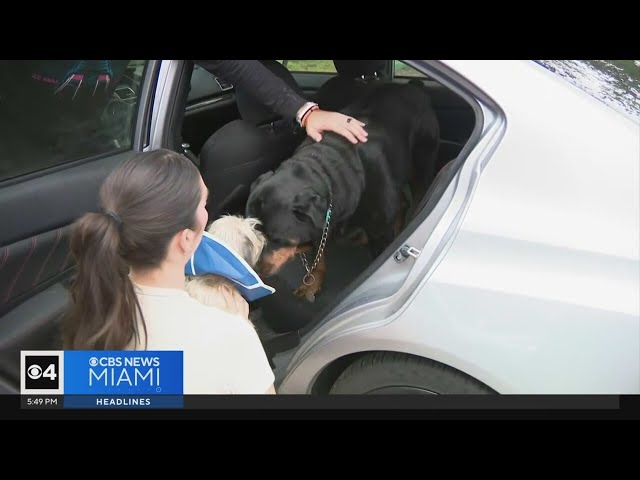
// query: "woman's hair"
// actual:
[[145, 202]]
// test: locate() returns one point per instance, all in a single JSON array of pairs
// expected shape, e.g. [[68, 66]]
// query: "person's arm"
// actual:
[[274, 93], [262, 83]]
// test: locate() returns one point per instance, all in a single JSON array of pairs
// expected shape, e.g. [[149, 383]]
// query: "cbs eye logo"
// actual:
[[41, 372]]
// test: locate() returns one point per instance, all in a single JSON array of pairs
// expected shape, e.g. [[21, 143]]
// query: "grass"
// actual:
[[316, 66]]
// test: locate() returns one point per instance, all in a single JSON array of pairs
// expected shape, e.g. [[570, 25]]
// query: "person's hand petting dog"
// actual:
[[320, 121]]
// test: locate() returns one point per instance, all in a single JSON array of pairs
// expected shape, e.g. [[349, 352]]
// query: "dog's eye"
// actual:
[[300, 216]]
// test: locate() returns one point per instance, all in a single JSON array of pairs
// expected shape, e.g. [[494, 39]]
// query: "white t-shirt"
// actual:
[[222, 352]]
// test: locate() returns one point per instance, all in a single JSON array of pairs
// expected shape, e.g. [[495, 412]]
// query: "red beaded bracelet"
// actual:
[[306, 114]]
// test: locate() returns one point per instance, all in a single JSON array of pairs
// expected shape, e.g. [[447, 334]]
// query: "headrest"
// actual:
[[358, 68]]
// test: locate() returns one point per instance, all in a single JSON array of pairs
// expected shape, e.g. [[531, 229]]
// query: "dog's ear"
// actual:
[[309, 206], [261, 179]]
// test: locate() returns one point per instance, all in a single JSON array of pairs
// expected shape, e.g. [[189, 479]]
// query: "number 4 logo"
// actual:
[[50, 372], [41, 372], [35, 372]]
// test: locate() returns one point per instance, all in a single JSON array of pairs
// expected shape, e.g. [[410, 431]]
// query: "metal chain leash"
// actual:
[[309, 278]]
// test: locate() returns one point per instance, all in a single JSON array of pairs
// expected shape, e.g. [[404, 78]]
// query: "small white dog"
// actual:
[[241, 235]]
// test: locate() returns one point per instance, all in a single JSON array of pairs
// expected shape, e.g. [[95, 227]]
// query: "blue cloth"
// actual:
[[213, 256]]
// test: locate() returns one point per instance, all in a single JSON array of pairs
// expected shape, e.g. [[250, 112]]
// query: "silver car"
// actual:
[[523, 277], [518, 272]]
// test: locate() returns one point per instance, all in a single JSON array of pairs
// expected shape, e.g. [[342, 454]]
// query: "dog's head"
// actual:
[[292, 213], [241, 234]]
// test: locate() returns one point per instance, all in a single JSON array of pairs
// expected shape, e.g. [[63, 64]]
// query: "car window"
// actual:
[[402, 70], [614, 82], [205, 85], [309, 66], [57, 111]]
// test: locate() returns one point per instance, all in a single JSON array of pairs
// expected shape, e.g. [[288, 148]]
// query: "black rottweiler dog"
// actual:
[[329, 184]]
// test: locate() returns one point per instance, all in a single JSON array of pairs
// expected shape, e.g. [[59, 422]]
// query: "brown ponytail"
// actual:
[[145, 201], [104, 303]]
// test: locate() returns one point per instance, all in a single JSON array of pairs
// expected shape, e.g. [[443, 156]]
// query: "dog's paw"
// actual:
[[307, 292]]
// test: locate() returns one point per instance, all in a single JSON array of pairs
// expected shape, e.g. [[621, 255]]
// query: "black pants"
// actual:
[[235, 155]]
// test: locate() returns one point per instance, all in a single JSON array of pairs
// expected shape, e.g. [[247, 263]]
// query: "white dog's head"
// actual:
[[241, 234]]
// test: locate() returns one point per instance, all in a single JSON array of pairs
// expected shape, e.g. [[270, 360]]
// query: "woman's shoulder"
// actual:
[[174, 304], [178, 316], [210, 317]]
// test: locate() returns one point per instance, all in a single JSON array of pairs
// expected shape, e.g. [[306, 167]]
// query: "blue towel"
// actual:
[[213, 256]]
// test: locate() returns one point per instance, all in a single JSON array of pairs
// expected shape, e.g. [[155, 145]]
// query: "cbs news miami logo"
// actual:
[[96, 379]]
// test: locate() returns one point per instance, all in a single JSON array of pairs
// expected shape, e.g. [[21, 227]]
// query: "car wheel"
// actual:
[[397, 373]]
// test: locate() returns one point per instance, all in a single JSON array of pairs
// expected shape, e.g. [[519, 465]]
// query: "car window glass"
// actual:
[[57, 111]]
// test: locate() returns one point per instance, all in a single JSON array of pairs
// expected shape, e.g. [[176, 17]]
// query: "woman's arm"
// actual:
[[252, 76]]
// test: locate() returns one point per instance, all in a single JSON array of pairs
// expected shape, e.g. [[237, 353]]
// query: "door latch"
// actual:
[[405, 252]]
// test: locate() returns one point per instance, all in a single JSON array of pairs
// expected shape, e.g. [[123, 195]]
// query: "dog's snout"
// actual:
[[272, 261]]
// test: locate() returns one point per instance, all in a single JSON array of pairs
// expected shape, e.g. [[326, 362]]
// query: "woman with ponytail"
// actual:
[[129, 291]]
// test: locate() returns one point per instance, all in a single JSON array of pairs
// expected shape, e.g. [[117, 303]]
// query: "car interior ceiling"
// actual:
[[282, 312]]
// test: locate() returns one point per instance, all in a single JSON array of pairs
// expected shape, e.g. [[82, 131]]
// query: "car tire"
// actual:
[[397, 373]]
